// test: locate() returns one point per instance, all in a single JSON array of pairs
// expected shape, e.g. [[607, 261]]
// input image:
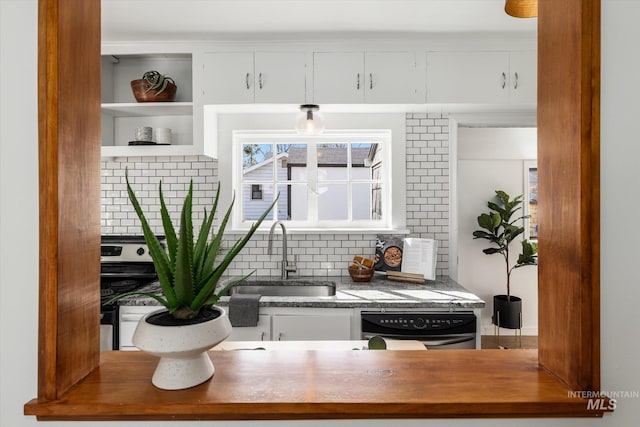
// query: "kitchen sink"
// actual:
[[284, 289]]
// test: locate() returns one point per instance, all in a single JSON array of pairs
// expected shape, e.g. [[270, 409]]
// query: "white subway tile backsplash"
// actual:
[[427, 198]]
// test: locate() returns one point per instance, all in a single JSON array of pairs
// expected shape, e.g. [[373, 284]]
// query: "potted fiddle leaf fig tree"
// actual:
[[189, 325], [500, 227]]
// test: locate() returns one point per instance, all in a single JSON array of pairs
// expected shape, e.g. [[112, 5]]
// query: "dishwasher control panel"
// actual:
[[418, 323]]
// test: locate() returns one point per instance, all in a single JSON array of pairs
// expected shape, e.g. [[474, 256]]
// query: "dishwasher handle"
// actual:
[[429, 342]]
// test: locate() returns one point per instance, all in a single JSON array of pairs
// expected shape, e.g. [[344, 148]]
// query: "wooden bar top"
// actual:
[[323, 384]]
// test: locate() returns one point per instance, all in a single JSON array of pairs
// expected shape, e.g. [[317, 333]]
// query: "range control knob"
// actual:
[[419, 323], [140, 251]]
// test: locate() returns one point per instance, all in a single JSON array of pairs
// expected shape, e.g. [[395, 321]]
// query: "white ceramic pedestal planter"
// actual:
[[184, 361]]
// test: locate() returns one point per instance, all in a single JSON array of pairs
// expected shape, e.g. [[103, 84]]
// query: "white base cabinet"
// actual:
[[274, 323], [311, 327]]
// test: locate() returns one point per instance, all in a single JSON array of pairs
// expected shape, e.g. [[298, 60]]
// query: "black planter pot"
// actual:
[[510, 312]]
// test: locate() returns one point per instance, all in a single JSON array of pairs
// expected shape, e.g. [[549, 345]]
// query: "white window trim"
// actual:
[[221, 121], [339, 136]]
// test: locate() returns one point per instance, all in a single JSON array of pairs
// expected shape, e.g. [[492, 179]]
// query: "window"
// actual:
[[256, 192], [337, 180]]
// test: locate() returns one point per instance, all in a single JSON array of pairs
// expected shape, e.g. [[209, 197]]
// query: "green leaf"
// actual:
[[219, 270], [486, 221], [214, 248], [200, 251], [214, 298], [496, 220], [169, 231], [183, 280], [159, 256], [491, 251], [479, 234]]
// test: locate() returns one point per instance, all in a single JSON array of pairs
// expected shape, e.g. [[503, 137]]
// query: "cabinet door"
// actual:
[[390, 78], [523, 69], [468, 77], [338, 77], [280, 77], [311, 327], [260, 332], [228, 78]]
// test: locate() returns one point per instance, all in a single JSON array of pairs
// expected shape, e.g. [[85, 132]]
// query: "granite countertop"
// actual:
[[379, 293]]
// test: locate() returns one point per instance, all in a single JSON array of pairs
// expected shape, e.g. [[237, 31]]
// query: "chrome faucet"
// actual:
[[286, 266]]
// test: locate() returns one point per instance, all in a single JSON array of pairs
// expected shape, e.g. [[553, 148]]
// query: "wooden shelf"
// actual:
[[323, 384], [134, 109]]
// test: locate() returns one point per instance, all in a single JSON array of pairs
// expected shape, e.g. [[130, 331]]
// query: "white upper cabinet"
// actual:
[[280, 77], [481, 77], [338, 77], [467, 77], [390, 78], [248, 77], [523, 69], [359, 77]]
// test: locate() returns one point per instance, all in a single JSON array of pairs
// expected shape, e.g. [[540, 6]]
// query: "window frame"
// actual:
[[275, 137]]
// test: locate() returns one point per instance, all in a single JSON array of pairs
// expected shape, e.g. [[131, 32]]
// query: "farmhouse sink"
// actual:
[[298, 288]]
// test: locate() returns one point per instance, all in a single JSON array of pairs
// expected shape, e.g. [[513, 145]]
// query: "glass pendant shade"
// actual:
[[521, 8], [309, 121]]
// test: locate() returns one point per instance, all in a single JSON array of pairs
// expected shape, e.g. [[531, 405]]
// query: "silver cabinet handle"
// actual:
[[262, 336], [358, 81], [370, 81], [280, 336], [246, 79], [515, 84], [504, 80], [260, 80]]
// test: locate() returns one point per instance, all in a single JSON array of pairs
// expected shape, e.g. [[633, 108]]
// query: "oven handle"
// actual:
[[434, 342]]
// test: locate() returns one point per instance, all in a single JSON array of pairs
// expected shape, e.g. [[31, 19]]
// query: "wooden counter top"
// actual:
[[321, 384]]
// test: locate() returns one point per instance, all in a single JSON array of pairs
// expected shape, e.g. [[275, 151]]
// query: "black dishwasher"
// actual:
[[436, 330]]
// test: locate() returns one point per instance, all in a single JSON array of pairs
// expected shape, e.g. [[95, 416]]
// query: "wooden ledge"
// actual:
[[254, 384]]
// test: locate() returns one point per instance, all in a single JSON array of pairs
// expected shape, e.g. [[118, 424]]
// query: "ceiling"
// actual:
[[142, 20]]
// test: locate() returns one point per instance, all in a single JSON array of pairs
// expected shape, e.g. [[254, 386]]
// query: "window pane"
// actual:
[[252, 209], [362, 154], [332, 162], [366, 201], [257, 162], [332, 202], [295, 164], [293, 202]]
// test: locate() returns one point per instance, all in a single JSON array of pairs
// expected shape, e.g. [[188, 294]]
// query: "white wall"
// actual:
[[492, 159], [620, 233]]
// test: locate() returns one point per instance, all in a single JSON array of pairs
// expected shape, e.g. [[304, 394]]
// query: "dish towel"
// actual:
[[244, 309]]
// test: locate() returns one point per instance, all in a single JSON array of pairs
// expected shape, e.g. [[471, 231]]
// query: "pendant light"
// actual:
[[309, 121], [521, 8]]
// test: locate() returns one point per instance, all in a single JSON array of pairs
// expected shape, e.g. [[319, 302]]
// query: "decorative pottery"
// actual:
[[182, 347], [142, 93]]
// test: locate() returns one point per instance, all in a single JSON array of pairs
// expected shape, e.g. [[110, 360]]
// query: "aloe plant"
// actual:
[[501, 230], [186, 270], [157, 81]]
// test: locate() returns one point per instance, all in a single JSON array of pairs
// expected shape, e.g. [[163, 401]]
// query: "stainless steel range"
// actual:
[[125, 266]]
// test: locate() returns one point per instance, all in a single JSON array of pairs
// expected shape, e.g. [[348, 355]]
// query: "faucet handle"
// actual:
[[291, 266]]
